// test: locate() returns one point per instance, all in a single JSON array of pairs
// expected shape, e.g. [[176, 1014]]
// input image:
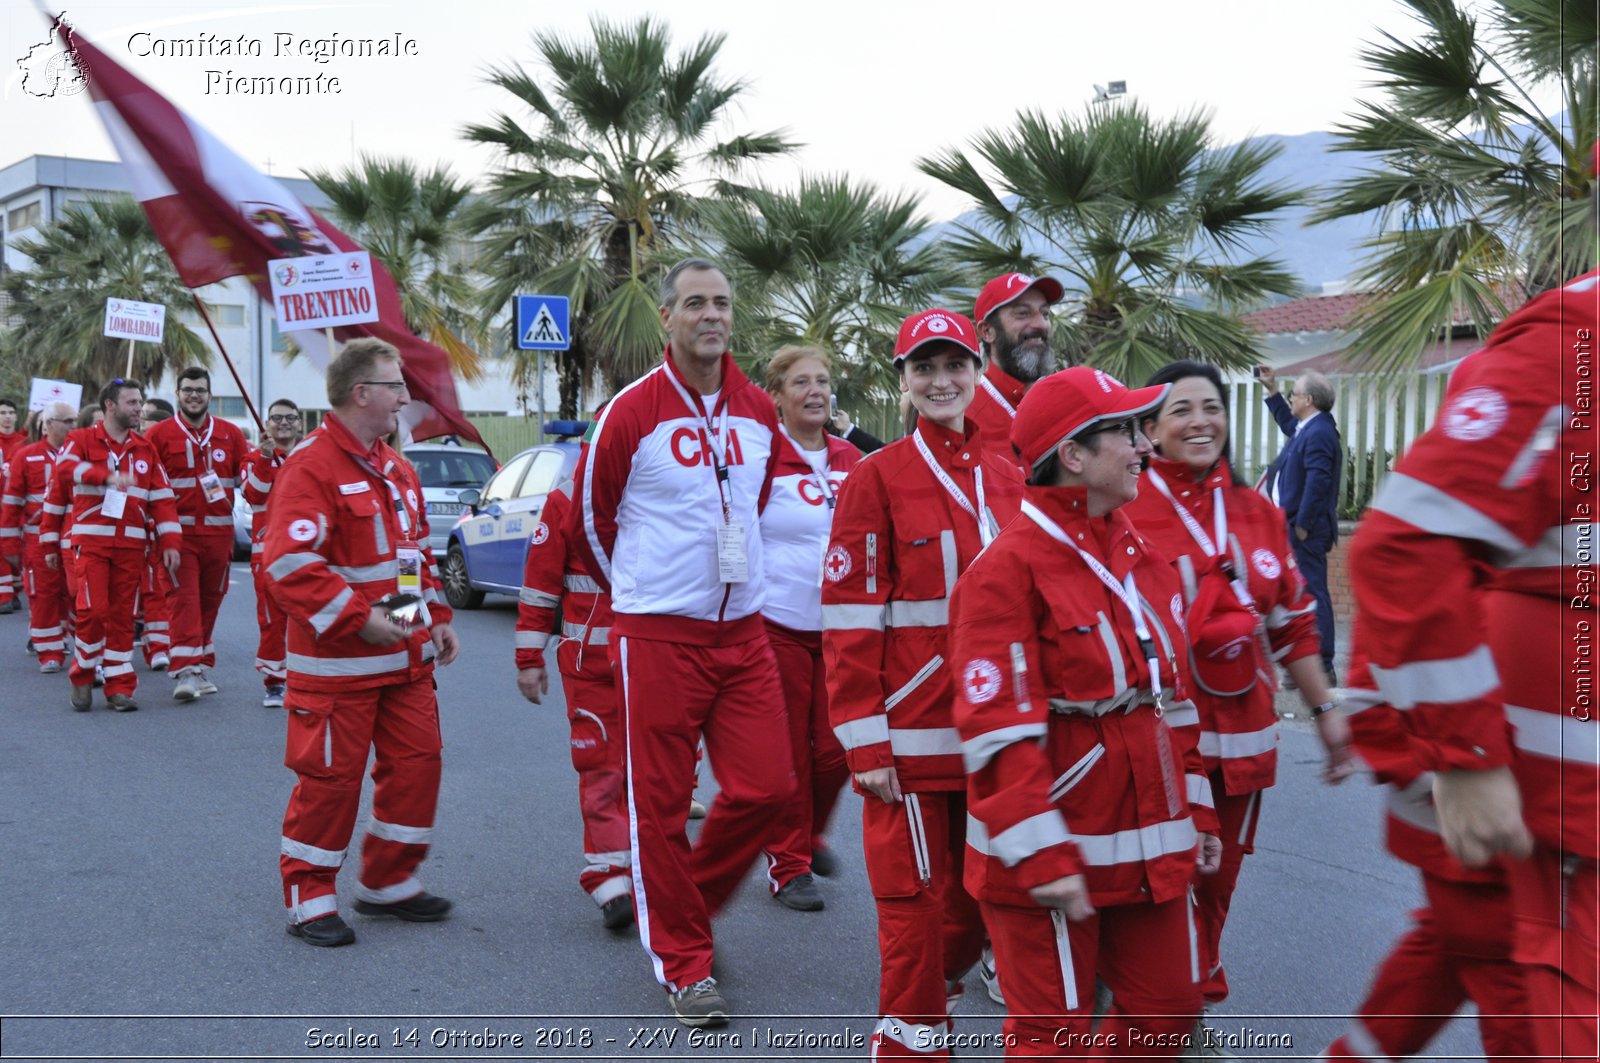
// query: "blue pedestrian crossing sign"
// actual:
[[543, 323]]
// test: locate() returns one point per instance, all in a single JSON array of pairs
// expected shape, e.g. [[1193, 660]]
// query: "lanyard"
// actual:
[[718, 435], [1126, 592], [994, 393], [978, 513], [394, 494], [819, 478], [203, 442], [1212, 549]]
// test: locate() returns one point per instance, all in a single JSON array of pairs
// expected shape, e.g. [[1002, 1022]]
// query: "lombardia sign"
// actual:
[[128, 320], [323, 291]]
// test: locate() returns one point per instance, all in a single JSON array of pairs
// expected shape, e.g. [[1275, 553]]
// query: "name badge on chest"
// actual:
[[114, 503], [409, 555], [211, 484], [733, 561]]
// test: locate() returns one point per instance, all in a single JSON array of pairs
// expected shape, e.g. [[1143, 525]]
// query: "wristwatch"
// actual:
[[1326, 706]]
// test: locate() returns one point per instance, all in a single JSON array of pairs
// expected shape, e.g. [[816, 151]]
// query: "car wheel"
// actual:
[[457, 587]]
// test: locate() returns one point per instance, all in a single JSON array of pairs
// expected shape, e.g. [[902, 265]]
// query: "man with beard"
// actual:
[[206, 457], [27, 482], [1013, 318], [285, 426]]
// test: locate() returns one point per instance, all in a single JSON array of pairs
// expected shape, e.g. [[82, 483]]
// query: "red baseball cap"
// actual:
[[1064, 404], [936, 326], [1009, 287]]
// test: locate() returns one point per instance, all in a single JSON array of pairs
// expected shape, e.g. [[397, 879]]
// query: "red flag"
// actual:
[[218, 217]]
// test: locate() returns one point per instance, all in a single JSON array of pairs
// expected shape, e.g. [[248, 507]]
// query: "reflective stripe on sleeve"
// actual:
[[935, 613], [289, 564], [1425, 506], [580, 584], [976, 752], [924, 741], [538, 599], [1035, 834], [531, 640], [1558, 737], [867, 731], [1438, 682], [324, 617], [852, 617]]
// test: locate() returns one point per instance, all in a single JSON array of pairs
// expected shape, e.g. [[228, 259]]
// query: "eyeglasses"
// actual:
[[283, 418], [60, 420], [1128, 428], [396, 386], [194, 391]]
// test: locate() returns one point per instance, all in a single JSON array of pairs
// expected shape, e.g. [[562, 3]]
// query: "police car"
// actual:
[[488, 547], [447, 471]]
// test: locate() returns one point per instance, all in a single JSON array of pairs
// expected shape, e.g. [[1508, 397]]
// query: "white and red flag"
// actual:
[[218, 217]]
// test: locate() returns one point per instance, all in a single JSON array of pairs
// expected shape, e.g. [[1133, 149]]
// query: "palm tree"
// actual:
[[831, 263], [1481, 197], [1144, 220], [98, 250], [622, 138], [412, 223]]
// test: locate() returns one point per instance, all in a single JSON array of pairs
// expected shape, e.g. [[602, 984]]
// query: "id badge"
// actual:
[[115, 501], [409, 555], [733, 564], [211, 483]]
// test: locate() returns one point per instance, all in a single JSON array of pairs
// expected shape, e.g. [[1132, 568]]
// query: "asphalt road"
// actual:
[[145, 918]]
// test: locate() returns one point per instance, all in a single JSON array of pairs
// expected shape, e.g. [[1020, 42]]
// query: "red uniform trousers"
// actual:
[[672, 692], [108, 585], [596, 722], [8, 581], [1238, 815], [819, 766], [1459, 950], [1554, 898], [272, 649], [930, 932], [330, 735], [1143, 952], [155, 608], [202, 581], [48, 604]]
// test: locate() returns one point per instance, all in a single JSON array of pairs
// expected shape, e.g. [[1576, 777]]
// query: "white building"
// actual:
[[35, 191]]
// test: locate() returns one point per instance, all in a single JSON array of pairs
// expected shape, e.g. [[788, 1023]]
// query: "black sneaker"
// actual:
[[328, 932], [700, 1004], [422, 908], [617, 913], [823, 862], [801, 894]]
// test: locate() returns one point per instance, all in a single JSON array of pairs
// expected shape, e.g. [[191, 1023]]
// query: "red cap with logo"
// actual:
[[1009, 287], [1066, 403], [936, 326]]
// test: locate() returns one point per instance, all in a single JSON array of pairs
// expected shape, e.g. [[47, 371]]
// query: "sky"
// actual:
[[868, 86]]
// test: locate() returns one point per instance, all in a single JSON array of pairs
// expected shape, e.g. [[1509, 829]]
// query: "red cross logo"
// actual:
[[980, 680], [836, 566], [1474, 415]]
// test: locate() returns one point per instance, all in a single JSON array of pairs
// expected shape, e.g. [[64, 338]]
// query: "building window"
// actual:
[[227, 315], [280, 344], [26, 217], [227, 406]]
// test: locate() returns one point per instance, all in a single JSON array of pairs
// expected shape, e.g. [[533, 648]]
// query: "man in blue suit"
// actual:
[[1306, 487]]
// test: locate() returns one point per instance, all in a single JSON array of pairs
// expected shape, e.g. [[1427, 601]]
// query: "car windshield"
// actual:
[[451, 468]]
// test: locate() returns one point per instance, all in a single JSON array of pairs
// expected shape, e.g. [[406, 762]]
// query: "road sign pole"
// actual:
[[541, 395]]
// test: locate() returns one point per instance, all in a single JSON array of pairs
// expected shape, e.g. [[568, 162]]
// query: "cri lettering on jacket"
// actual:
[[692, 446]]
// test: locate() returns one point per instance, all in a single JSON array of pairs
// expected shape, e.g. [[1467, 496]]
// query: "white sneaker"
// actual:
[[159, 662], [990, 976], [273, 699], [188, 688], [206, 685], [50, 667]]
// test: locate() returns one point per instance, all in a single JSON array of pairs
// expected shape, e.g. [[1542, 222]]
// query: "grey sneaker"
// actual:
[[50, 667], [700, 1004], [82, 698], [188, 688], [206, 685], [990, 976], [801, 894], [122, 703], [273, 699]]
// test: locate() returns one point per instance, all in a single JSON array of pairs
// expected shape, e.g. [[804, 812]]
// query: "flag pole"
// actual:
[[128, 372], [243, 392]]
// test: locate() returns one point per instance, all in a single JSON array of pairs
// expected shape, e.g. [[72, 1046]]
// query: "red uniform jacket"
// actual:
[[218, 446], [1071, 768], [994, 408], [556, 576], [339, 514], [27, 481], [1238, 734], [1475, 570], [87, 461], [259, 473], [899, 542]]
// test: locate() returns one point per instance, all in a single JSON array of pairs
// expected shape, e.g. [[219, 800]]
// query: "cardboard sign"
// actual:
[[323, 291], [44, 392], [127, 320]]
